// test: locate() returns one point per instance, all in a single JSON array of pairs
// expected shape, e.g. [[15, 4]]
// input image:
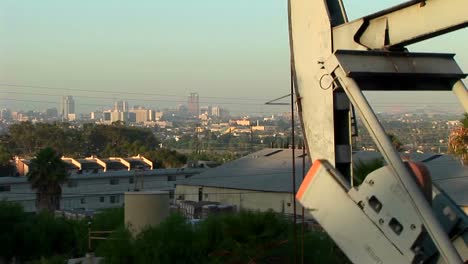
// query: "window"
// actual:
[[131, 180], [171, 177], [5, 188], [114, 199], [82, 200], [200, 194], [114, 181], [171, 194], [102, 199], [181, 197], [72, 184]]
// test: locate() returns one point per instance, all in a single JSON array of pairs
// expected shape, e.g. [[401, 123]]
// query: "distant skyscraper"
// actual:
[[121, 106], [5, 114], [216, 111], [96, 115], [193, 104], [142, 114], [67, 106]]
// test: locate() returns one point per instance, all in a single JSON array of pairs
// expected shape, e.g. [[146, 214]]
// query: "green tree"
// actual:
[[108, 219], [6, 168], [5, 155], [47, 172], [11, 214], [39, 238], [458, 143], [395, 142], [245, 237], [119, 248], [166, 158], [363, 168], [464, 121]]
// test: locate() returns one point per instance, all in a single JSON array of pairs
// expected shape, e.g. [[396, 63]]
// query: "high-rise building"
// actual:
[[5, 114], [121, 106], [67, 106], [216, 111], [193, 104], [96, 115], [107, 117], [142, 114], [158, 115]]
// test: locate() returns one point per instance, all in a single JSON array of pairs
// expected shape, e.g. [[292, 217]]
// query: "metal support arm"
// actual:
[[462, 93], [404, 24], [384, 144]]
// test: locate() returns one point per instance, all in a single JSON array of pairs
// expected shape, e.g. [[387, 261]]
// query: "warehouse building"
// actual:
[[262, 180]]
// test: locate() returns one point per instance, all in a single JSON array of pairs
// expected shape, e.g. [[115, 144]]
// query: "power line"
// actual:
[[123, 92], [239, 99], [400, 104], [109, 105], [239, 112], [231, 102]]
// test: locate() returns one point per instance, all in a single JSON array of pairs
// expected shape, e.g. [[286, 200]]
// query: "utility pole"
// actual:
[[251, 138]]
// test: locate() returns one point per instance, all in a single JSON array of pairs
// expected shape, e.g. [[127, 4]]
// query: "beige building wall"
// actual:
[[141, 115], [118, 116], [258, 128], [243, 122], [279, 202], [158, 115]]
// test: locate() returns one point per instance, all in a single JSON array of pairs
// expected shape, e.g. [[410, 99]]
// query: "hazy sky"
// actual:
[[230, 52]]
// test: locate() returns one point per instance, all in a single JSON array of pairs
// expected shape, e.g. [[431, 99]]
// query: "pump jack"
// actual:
[[387, 219]]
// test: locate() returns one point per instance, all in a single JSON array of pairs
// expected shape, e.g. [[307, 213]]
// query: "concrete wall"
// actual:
[[279, 202]]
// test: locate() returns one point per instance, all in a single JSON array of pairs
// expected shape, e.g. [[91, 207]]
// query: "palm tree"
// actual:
[[47, 172]]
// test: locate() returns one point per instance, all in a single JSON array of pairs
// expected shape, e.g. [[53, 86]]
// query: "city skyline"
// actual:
[[406, 104]]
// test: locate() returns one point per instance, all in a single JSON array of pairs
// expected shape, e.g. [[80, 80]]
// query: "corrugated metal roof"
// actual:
[[456, 188], [112, 174], [114, 164], [270, 170], [134, 163], [266, 170], [70, 165], [89, 164]]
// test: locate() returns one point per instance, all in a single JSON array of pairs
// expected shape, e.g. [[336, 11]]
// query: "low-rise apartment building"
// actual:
[[96, 185]]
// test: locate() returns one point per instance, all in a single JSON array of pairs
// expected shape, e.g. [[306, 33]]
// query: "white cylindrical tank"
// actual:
[[147, 208]]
